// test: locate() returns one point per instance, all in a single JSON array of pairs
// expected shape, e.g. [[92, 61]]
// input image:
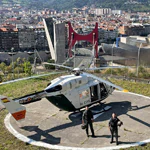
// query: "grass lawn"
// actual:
[[8, 141], [13, 90], [135, 87]]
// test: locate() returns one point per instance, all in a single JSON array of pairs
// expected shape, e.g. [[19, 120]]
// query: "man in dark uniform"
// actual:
[[87, 119], [113, 126]]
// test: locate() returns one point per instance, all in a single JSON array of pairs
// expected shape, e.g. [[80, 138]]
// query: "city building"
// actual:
[[40, 39], [102, 11], [26, 39], [132, 30], [118, 12], [8, 39]]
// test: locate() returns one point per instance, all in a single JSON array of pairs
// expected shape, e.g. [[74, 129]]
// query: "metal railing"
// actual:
[[133, 79]]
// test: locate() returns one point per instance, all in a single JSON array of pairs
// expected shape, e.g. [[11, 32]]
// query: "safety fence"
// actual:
[[147, 81]]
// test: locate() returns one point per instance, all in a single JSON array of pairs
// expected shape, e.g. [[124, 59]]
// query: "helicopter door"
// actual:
[[94, 93], [103, 90]]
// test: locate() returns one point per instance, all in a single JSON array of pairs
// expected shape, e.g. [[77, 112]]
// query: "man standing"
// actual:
[[87, 119], [113, 126]]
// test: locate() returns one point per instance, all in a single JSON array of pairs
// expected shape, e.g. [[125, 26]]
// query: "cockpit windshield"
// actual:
[[54, 89]]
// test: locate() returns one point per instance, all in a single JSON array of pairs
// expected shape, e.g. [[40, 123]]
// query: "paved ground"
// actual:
[[44, 122]]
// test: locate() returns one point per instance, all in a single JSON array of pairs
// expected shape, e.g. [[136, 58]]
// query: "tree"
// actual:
[[1, 79], [27, 67], [3, 66], [31, 59], [9, 69], [143, 73], [50, 66]]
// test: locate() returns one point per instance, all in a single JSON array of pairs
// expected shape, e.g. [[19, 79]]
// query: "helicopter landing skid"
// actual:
[[76, 114], [102, 110], [100, 103], [97, 113]]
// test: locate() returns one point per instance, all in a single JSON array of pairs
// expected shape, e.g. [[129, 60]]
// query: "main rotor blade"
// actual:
[[32, 77], [110, 67], [46, 63], [106, 82]]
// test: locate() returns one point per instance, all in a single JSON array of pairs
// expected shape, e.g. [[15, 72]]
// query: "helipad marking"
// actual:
[[46, 145]]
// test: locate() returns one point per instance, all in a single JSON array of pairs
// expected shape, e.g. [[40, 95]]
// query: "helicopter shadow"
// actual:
[[41, 133], [46, 133], [119, 108], [132, 108]]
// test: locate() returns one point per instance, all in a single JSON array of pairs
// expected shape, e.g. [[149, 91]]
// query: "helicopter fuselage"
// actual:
[[73, 92]]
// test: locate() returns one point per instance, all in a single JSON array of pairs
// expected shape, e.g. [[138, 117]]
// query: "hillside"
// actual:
[[138, 5]]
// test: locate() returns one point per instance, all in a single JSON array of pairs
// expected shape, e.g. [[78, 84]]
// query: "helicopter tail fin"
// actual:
[[17, 111]]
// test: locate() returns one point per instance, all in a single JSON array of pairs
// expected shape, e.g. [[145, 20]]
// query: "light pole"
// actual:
[[137, 69], [34, 66], [12, 49], [74, 55], [112, 56], [74, 50]]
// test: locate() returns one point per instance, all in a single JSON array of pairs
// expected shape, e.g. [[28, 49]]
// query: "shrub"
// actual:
[[50, 66]]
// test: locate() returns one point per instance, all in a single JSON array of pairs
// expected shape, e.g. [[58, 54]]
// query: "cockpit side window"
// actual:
[[70, 85], [48, 84], [54, 89]]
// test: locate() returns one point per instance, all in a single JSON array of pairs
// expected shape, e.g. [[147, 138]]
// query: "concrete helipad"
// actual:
[[48, 125]]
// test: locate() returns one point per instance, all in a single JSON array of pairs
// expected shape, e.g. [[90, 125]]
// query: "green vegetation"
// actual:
[[143, 72], [146, 147], [27, 67], [143, 5], [135, 87], [17, 69], [50, 66], [21, 88]]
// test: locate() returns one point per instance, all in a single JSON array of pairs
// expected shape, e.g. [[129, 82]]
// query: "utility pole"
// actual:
[[12, 49], [34, 70], [138, 61], [36, 55], [112, 54], [74, 55]]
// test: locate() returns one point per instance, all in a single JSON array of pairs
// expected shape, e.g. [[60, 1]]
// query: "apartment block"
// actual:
[[8, 39]]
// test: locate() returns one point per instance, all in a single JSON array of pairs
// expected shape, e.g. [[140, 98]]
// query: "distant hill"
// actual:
[[136, 5]]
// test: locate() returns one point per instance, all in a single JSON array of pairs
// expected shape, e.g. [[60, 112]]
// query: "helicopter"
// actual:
[[69, 92]]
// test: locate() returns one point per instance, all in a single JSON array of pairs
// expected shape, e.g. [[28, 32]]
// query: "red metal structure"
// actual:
[[92, 38]]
